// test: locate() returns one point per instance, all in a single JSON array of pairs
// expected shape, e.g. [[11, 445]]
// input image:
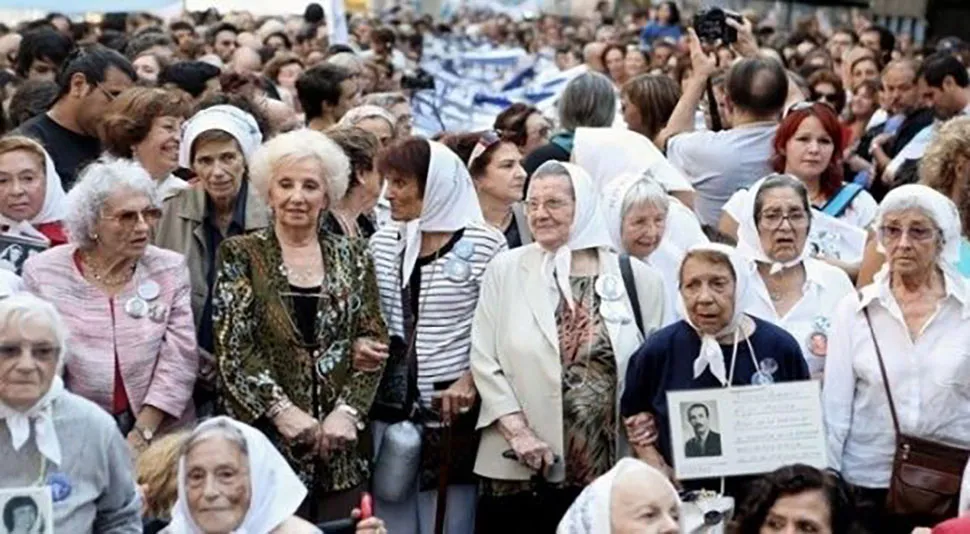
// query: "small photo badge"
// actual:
[[28, 510]]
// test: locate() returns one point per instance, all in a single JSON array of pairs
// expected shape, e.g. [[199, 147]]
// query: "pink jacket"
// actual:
[[159, 360]]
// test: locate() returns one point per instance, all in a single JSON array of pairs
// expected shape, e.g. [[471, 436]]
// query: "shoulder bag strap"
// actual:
[[837, 205], [882, 369], [626, 270]]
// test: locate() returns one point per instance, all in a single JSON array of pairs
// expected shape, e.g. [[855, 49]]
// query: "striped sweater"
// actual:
[[445, 309]]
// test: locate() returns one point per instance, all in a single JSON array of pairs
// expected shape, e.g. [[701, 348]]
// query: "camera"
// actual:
[[711, 25], [418, 81]]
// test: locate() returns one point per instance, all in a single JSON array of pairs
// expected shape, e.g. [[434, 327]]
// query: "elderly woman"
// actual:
[[231, 478], [292, 305], [216, 145], [732, 348], [797, 498], [902, 345], [371, 119], [577, 300], [352, 215], [588, 100], [524, 125], [788, 287], [495, 165], [46, 432], [145, 125], [631, 497], [31, 196], [430, 260], [125, 303]]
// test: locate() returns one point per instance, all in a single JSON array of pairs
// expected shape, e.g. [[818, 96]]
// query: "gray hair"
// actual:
[[298, 145], [20, 308], [218, 427], [554, 169], [99, 181], [644, 191], [588, 100], [347, 60], [361, 113], [385, 100]]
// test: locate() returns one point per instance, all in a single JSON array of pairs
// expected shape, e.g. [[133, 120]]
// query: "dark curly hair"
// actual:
[[793, 480]]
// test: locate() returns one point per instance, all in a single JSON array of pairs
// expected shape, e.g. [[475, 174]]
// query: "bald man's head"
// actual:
[[593, 56], [900, 88]]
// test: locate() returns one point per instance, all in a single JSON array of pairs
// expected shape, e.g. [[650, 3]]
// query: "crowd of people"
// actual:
[[240, 295]]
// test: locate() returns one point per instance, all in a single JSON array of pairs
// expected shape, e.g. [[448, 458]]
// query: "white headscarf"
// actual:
[[590, 513], [230, 119], [359, 113], [588, 229], [54, 208], [940, 208], [749, 240], [606, 153], [450, 203], [710, 354], [275, 494]]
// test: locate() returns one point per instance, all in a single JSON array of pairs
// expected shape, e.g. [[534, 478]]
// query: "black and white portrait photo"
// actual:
[[26, 510], [14, 252], [703, 438]]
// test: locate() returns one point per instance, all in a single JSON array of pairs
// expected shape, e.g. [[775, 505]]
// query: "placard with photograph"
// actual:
[[14, 251], [746, 430], [28, 510]]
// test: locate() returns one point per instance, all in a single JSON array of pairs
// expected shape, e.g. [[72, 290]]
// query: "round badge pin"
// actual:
[[608, 287], [457, 270], [818, 343], [60, 486], [157, 313], [149, 290], [136, 307], [464, 249], [768, 366], [761, 379], [612, 312]]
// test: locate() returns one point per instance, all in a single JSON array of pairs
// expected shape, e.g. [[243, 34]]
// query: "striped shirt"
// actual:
[[445, 306]]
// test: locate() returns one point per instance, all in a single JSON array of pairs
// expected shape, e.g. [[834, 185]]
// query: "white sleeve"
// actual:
[[693, 153], [838, 389], [735, 204], [866, 208]]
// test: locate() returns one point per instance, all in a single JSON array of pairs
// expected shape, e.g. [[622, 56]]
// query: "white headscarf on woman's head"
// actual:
[[54, 208], [940, 208], [588, 229], [240, 125], [450, 203], [359, 113], [749, 240], [710, 353], [614, 195], [275, 490], [591, 512], [607, 153]]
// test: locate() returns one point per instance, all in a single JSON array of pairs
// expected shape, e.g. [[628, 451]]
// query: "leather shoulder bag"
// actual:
[[925, 481]]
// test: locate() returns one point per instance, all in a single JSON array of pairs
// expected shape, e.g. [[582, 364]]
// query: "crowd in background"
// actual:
[[243, 293]]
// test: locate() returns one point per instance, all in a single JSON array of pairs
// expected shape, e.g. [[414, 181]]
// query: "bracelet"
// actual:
[[279, 408]]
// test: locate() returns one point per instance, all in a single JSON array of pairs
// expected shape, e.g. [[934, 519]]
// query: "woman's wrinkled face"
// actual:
[[615, 64], [379, 127], [504, 176], [782, 224], [159, 151], [404, 196], [28, 362], [708, 291], [641, 505], [125, 224], [804, 513], [809, 151], [23, 185], [288, 75], [147, 68], [297, 192], [537, 130], [217, 485], [642, 228], [551, 207], [912, 241], [220, 167]]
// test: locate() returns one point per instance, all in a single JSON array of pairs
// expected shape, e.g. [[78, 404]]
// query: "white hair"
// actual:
[[347, 60], [361, 113], [21, 308], [215, 427], [298, 145], [644, 191], [99, 181]]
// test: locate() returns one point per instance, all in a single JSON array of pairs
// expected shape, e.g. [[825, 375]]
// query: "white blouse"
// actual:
[[929, 378], [810, 320]]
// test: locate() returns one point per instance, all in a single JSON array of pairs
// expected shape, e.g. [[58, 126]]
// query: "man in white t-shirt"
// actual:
[[720, 163]]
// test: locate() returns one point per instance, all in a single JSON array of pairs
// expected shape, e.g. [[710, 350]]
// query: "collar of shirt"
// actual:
[[815, 280], [879, 289]]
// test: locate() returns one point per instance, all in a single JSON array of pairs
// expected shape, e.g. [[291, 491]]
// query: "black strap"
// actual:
[[882, 369], [626, 271]]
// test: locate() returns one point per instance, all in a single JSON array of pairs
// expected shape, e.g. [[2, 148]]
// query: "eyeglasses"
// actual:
[[773, 219], [40, 352], [553, 204], [915, 233], [129, 218], [831, 98]]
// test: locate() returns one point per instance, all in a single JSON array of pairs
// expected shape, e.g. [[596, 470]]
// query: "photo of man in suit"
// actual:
[[705, 442]]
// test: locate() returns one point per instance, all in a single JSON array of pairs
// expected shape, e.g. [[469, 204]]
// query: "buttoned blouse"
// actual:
[[929, 378]]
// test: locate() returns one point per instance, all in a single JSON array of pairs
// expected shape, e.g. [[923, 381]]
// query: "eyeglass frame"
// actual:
[[786, 217], [140, 214]]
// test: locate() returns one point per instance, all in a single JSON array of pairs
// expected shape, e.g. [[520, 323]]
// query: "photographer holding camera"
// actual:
[[721, 162]]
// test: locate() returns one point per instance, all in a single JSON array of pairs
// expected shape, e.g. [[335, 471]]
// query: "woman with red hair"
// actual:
[[809, 146]]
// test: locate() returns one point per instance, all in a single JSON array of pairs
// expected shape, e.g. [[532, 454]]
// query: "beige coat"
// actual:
[[181, 230], [515, 356]]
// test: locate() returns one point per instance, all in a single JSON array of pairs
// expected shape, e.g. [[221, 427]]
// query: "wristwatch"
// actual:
[[146, 434], [351, 411]]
